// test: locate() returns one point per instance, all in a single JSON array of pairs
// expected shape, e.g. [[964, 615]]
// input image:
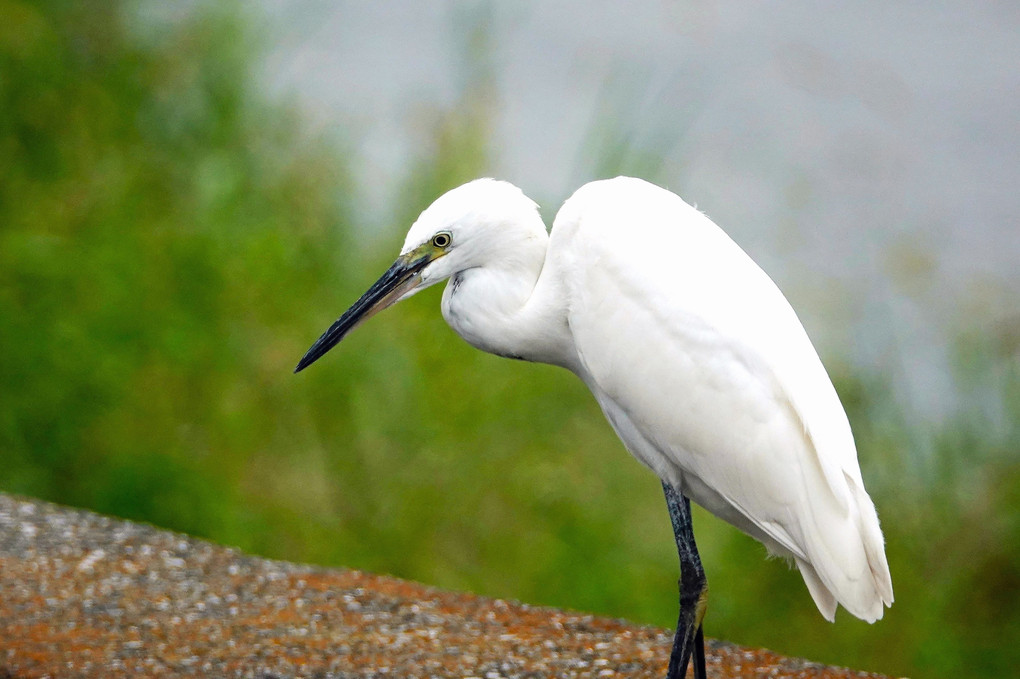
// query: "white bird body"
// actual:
[[709, 378], [694, 355]]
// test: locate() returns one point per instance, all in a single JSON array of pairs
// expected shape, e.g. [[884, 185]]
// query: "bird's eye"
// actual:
[[441, 240]]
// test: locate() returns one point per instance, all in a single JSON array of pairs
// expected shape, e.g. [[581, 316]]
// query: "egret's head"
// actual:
[[479, 223], [468, 226]]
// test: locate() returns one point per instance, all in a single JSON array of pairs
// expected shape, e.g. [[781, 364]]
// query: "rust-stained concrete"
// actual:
[[83, 595]]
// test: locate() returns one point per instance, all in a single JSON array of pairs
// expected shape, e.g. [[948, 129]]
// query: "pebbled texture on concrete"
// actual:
[[83, 595]]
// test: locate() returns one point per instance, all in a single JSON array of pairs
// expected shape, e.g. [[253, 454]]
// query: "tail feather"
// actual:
[[874, 543], [849, 565], [819, 592]]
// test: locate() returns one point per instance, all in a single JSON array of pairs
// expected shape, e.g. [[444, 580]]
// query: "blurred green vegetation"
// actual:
[[171, 242]]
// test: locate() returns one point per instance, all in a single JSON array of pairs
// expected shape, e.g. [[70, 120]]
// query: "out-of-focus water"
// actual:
[[866, 154]]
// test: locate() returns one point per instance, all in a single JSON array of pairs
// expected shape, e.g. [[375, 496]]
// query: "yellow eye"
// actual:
[[441, 240]]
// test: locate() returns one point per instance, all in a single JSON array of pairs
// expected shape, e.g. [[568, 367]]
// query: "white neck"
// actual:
[[508, 309]]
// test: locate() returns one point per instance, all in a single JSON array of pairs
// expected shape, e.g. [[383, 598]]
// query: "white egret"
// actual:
[[696, 358]]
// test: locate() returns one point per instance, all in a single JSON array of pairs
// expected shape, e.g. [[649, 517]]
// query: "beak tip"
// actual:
[[303, 363]]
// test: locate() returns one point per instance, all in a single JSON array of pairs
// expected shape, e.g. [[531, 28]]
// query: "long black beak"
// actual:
[[398, 280]]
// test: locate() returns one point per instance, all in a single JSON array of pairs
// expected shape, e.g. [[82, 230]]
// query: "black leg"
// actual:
[[699, 651], [693, 591]]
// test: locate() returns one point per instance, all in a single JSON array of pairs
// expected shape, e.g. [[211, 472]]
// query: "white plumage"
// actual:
[[707, 375], [695, 356]]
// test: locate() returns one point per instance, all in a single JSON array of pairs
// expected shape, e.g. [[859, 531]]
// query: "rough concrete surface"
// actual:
[[83, 595]]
